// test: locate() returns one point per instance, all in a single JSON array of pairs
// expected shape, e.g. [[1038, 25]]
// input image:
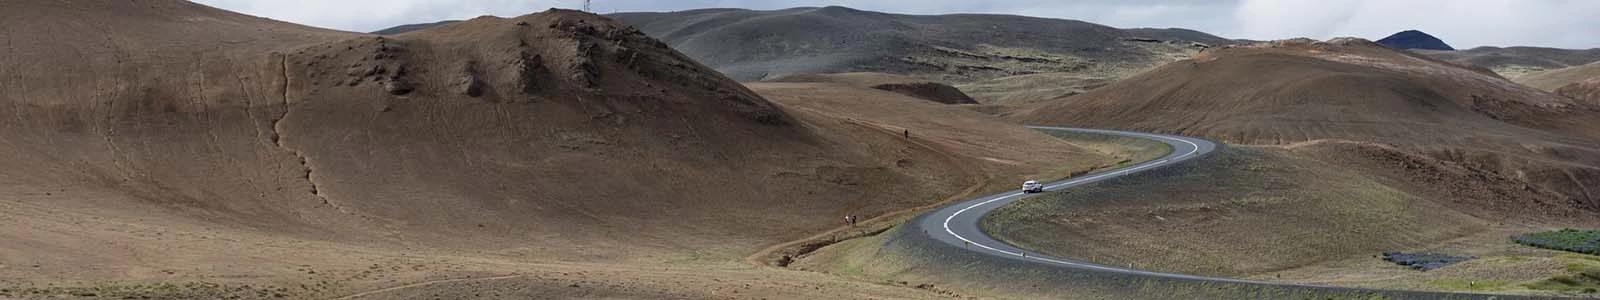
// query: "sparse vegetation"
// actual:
[[1466, 285], [1572, 240]]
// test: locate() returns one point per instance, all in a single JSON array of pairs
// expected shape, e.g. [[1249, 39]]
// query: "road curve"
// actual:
[[958, 224]]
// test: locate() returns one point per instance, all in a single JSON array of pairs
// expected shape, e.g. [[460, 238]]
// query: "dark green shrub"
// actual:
[[1573, 240]]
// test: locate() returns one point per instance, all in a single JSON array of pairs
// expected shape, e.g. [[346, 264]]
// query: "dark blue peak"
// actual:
[[1412, 39]]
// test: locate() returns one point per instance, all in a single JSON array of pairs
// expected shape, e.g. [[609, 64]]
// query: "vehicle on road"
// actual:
[[1032, 186]]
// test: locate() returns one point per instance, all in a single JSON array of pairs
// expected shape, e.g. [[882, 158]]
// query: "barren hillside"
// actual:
[[158, 142]]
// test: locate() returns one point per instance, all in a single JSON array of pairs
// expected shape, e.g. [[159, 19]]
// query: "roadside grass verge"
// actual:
[[1582, 276], [1563, 274]]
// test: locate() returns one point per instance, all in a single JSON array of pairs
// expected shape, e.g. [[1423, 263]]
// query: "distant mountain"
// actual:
[[752, 45], [413, 27], [1180, 34], [1412, 39], [916, 88]]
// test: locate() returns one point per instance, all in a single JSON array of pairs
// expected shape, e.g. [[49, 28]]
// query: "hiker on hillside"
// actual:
[[908, 133]]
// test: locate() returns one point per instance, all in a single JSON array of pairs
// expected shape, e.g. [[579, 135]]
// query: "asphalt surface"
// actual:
[[958, 224]]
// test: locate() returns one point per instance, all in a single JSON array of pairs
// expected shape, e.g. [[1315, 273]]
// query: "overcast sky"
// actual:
[[1461, 23]]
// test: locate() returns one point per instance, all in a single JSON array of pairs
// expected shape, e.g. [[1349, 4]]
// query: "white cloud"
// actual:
[[1464, 24]]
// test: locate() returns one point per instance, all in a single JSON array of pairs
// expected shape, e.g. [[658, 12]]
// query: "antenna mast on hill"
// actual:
[[586, 6]]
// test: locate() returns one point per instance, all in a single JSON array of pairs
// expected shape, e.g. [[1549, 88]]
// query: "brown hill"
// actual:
[[917, 88], [164, 141], [1296, 91]]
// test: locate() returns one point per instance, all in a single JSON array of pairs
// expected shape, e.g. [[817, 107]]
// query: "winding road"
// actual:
[[958, 224]]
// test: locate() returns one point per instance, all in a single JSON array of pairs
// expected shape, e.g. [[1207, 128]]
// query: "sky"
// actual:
[[1461, 23]]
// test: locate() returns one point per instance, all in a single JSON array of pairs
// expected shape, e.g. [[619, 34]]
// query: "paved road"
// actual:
[[957, 224]]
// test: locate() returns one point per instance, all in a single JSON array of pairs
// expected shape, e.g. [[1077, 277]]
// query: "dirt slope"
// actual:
[[1296, 91], [165, 141]]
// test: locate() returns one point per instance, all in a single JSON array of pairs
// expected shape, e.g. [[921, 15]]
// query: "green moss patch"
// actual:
[[1573, 240]]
